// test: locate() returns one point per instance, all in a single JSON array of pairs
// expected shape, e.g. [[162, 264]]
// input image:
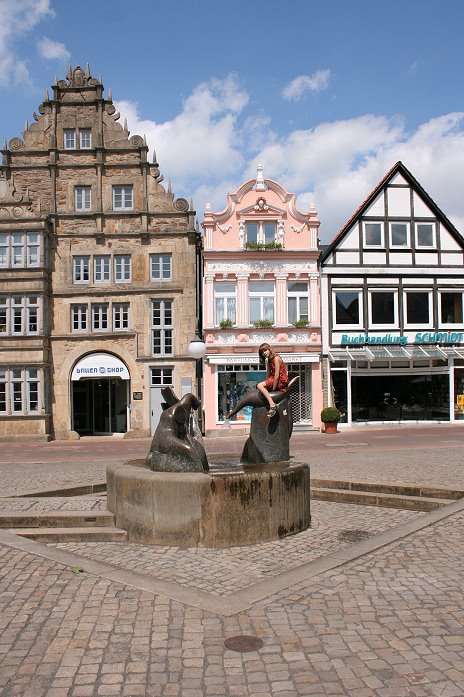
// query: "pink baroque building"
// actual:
[[261, 283]]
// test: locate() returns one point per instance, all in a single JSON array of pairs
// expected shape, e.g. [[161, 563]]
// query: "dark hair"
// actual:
[[261, 350]]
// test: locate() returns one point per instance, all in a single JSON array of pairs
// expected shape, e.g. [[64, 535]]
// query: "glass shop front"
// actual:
[[370, 388]]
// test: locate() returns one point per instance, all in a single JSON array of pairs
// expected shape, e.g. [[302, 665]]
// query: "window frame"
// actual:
[[78, 264], [383, 291], [123, 274], [121, 190], [433, 225], [262, 295], [162, 330], [83, 133], [99, 317], [366, 244], [22, 377], [228, 298], [166, 375], [417, 325], [123, 309], [354, 326], [407, 225], [79, 317], [158, 260], [443, 323], [67, 132], [298, 296], [82, 198], [100, 260]]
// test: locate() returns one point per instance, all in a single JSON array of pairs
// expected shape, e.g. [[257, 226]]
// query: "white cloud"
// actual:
[[214, 144], [298, 87], [52, 50], [200, 142], [18, 17]]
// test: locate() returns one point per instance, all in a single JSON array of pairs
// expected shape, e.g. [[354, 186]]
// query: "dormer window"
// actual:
[[262, 232]]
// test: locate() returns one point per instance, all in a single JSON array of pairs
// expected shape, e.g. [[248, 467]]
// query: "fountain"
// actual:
[[175, 497]]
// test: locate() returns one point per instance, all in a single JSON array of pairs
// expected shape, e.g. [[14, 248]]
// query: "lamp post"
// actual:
[[197, 349]]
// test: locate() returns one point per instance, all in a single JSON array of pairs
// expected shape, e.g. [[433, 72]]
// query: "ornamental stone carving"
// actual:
[[181, 204]]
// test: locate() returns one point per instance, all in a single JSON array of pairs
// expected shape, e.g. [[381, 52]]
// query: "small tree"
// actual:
[[330, 415]]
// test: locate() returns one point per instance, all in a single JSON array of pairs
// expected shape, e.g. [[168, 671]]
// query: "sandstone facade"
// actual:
[[97, 259]]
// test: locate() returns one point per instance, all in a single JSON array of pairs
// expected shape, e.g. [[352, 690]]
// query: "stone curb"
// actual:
[[242, 600]]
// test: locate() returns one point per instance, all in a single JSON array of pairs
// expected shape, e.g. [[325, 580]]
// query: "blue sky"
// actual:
[[326, 95]]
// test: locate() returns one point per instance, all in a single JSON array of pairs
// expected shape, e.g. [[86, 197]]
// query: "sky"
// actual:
[[327, 96]]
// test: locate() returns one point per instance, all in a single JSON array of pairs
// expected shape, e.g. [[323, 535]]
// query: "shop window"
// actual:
[[425, 235], [373, 234], [347, 308], [234, 381], [161, 267], [261, 301], [123, 198], [20, 390], [83, 198], [298, 301], [162, 327], [224, 302], [451, 307], [383, 308], [418, 308], [399, 235]]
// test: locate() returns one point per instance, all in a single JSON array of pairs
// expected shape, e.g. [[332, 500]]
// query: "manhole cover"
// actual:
[[353, 535], [243, 643]]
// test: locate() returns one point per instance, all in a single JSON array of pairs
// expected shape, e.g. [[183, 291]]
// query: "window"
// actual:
[[425, 234], [19, 314], [19, 390], [418, 307], [347, 308], [123, 199], [122, 268], [373, 234], [261, 301], [100, 317], [101, 269], [69, 139], [81, 269], [383, 308], [120, 316], [450, 308], [269, 232], [297, 301], [161, 376], [85, 138], [162, 325], [252, 232], [19, 249], [224, 302], [79, 318], [83, 198], [399, 235], [161, 267]]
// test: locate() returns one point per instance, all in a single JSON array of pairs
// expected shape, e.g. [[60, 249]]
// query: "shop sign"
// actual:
[[389, 339], [100, 365]]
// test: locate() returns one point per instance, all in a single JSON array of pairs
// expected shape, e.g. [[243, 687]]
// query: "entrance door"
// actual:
[[301, 400], [100, 406], [156, 399]]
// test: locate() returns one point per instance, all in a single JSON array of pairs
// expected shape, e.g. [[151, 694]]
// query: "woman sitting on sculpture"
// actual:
[[277, 376]]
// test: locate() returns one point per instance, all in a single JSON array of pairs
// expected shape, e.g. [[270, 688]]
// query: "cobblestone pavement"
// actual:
[[367, 603]]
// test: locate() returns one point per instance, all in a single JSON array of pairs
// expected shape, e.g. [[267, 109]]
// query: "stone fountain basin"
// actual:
[[226, 507]]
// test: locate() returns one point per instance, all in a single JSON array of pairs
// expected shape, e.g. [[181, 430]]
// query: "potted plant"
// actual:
[[330, 416], [263, 323], [300, 323], [226, 323]]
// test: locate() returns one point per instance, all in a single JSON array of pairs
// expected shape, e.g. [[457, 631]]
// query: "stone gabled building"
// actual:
[[98, 268]]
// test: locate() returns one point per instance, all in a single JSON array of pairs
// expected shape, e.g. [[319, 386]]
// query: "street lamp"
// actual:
[[197, 349]]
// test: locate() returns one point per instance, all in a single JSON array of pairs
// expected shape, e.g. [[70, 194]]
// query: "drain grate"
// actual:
[[354, 535], [243, 643]]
